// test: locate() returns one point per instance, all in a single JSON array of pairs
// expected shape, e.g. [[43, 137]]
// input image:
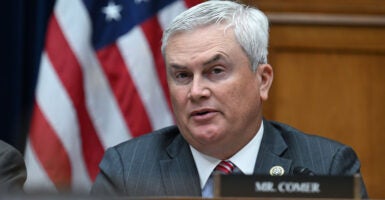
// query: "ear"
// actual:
[[265, 76]]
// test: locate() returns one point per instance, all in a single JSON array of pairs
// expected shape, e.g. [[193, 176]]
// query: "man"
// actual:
[[218, 77], [12, 169]]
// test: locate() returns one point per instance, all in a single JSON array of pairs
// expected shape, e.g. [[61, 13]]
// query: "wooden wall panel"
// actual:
[[339, 96], [328, 58], [321, 6]]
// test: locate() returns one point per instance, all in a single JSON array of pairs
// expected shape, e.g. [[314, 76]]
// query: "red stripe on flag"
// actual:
[[124, 90], [191, 3], [153, 32], [71, 75], [54, 160]]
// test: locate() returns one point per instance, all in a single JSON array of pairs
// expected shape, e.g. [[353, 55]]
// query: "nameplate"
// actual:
[[286, 186]]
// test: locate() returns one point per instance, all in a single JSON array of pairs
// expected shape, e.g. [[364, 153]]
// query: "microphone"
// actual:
[[302, 171]]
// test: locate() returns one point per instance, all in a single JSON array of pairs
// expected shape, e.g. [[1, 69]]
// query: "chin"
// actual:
[[206, 136]]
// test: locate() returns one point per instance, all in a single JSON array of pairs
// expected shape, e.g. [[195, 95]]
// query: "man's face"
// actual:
[[215, 95]]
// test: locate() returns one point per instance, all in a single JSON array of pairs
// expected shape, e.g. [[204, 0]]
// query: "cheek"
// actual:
[[230, 98], [178, 97], [242, 97]]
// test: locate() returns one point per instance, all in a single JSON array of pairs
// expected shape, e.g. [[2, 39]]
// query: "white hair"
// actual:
[[250, 25]]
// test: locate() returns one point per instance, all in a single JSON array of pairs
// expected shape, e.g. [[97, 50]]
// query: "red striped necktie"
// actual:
[[224, 167]]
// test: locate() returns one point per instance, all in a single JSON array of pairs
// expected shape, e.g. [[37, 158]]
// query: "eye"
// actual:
[[217, 73], [182, 77], [217, 70]]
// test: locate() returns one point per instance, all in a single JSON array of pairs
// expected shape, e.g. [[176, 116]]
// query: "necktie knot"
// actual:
[[224, 167]]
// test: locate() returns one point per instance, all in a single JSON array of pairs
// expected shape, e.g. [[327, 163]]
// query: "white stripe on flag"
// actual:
[[63, 120], [167, 14], [37, 179], [102, 106], [141, 66]]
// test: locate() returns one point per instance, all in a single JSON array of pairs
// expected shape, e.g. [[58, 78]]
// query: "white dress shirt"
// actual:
[[244, 160]]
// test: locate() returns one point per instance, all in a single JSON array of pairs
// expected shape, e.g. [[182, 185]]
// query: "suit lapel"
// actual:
[[179, 173], [270, 153], [180, 176]]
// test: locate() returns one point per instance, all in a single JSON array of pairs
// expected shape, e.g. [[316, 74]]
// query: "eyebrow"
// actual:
[[176, 66], [213, 59]]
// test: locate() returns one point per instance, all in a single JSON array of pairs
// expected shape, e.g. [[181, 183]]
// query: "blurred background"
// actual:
[[22, 37], [327, 55], [329, 78]]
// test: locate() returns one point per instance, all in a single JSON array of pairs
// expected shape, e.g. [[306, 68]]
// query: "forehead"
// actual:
[[201, 42]]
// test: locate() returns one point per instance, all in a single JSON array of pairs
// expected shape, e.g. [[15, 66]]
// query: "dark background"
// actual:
[[23, 25]]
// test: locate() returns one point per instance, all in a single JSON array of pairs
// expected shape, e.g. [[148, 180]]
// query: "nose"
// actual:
[[198, 89]]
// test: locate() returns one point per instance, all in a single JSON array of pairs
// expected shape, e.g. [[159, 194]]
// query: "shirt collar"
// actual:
[[244, 159]]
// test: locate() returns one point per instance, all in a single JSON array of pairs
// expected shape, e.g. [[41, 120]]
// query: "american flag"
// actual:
[[101, 81]]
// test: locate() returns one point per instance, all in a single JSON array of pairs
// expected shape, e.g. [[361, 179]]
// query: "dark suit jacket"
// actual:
[[161, 163], [12, 169]]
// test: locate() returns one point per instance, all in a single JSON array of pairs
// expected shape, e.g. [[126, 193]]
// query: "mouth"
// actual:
[[202, 112]]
